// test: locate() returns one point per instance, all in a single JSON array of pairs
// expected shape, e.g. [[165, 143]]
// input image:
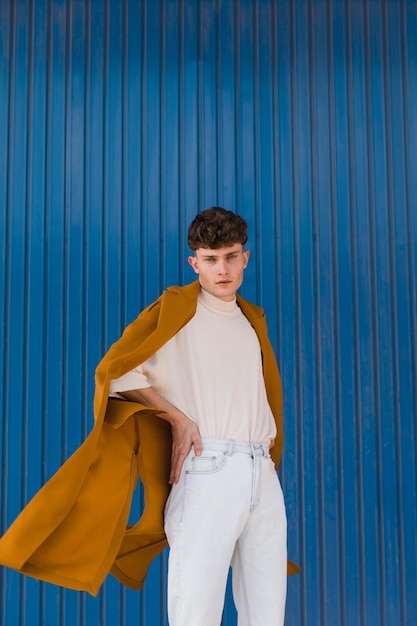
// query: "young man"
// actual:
[[226, 505], [199, 358]]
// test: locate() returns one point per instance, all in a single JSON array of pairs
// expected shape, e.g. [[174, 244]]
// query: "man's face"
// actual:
[[220, 271]]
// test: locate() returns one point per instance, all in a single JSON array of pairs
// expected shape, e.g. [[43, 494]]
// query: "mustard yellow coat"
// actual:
[[74, 531]]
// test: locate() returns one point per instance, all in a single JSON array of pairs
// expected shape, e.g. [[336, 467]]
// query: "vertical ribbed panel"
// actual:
[[118, 121]]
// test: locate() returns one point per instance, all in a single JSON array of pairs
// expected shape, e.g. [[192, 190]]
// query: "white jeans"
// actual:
[[227, 509]]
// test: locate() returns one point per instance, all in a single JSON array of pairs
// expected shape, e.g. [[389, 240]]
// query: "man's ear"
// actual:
[[193, 262], [246, 254]]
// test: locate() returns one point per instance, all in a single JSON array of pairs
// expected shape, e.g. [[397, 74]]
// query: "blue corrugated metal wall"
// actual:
[[118, 121]]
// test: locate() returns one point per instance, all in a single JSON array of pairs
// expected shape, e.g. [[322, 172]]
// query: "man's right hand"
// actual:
[[185, 432]]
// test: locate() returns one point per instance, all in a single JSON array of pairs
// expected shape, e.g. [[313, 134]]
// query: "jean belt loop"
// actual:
[[257, 449], [256, 460], [230, 447]]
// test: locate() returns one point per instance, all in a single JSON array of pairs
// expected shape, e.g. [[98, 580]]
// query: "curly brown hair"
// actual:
[[216, 228]]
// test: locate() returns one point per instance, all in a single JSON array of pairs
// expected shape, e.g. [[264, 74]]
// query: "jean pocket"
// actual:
[[207, 463]]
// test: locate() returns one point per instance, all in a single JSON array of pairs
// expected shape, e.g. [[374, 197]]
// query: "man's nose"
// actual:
[[222, 267]]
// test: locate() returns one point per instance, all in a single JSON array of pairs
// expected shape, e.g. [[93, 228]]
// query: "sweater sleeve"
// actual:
[[135, 379]]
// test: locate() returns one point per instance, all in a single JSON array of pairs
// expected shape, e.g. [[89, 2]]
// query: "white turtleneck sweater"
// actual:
[[212, 371]]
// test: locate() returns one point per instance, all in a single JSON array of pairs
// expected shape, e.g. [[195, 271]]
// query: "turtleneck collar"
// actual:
[[215, 304]]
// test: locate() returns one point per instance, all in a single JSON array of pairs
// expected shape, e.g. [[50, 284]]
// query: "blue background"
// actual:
[[119, 120]]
